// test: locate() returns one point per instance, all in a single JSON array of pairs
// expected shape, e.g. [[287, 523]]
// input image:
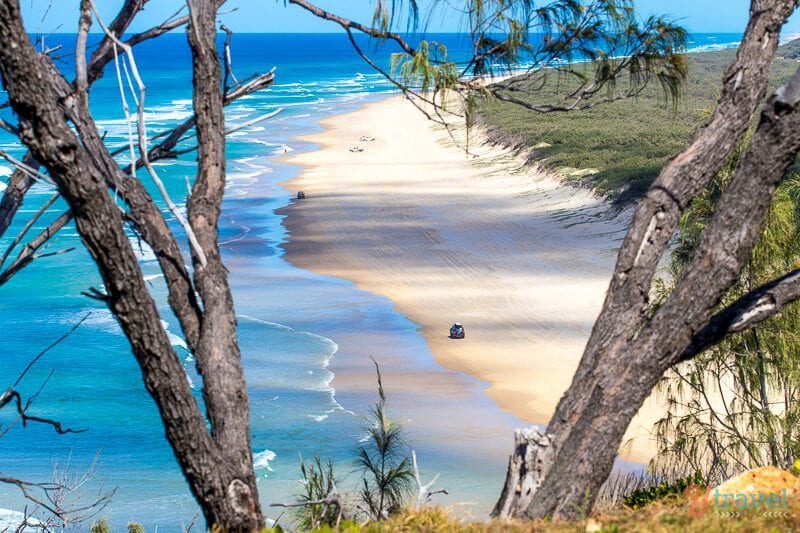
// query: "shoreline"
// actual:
[[298, 304], [510, 251]]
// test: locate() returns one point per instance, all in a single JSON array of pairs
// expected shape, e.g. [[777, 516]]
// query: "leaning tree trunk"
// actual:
[[218, 466], [559, 472]]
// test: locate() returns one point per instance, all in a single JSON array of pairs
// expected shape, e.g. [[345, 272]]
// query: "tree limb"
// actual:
[[350, 25], [28, 252], [754, 307], [657, 215], [27, 227], [142, 136]]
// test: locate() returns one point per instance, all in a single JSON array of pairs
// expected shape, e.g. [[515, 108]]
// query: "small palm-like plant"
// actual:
[[319, 504], [386, 471]]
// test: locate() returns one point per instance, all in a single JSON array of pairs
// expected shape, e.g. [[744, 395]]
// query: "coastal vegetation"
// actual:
[[668, 515], [617, 148], [735, 406]]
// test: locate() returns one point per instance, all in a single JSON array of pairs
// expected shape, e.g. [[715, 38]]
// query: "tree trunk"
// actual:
[[560, 474], [217, 466]]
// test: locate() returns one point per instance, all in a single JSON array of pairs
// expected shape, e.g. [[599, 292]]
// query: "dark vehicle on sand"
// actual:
[[457, 331]]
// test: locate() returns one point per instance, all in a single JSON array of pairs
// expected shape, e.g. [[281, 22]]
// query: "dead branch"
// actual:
[[142, 133], [751, 309], [18, 185], [61, 498], [28, 226], [229, 75], [424, 493], [29, 170], [350, 25], [104, 54], [11, 394], [28, 252]]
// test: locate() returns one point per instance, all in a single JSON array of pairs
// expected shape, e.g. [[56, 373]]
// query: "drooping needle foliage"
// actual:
[[737, 405], [541, 40], [383, 463]]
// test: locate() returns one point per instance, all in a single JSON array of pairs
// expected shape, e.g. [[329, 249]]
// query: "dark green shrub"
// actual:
[[641, 497], [319, 485]]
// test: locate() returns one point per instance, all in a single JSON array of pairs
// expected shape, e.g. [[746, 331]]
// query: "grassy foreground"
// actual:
[[627, 142], [670, 515]]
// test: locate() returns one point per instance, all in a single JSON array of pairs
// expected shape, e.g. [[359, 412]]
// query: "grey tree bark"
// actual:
[[217, 463], [559, 472]]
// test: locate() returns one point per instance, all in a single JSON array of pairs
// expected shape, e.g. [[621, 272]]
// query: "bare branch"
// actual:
[[228, 59], [28, 252], [424, 493], [103, 54], [143, 151], [28, 226], [29, 170], [84, 24], [51, 346], [751, 309], [350, 25], [26, 488], [10, 128], [10, 394], [60, 498]]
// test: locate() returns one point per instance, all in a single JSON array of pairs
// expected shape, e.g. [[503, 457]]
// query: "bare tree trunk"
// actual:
[[218, 466], [559, 473], [224, 387]]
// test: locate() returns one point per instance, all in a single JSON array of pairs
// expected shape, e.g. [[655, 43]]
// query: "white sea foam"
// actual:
[[175, 340], [11, 520], [101, 319], [143, 252], [3, 186], [238, 181], [713, 47], [261, 460], [279, 148], [5, 171]]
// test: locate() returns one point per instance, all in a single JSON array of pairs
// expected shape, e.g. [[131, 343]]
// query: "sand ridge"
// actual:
[[522, 260]]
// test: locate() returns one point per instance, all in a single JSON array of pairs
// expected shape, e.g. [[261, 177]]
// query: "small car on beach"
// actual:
[[457, 331]]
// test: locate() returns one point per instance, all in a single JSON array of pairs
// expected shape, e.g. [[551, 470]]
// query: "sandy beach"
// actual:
[[520, 259]]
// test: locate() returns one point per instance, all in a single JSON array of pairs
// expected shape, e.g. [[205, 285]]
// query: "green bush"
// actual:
[[318, 482], [626, 142], [101, 526], [641, 497]]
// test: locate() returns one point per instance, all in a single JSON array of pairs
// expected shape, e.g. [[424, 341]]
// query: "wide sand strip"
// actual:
[[520, 259]]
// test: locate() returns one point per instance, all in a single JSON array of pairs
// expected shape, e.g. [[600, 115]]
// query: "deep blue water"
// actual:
[[295, 326]]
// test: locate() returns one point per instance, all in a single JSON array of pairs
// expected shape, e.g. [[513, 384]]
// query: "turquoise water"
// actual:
[[298, 330]]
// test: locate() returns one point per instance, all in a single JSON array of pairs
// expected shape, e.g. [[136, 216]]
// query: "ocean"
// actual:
[[296, 328]]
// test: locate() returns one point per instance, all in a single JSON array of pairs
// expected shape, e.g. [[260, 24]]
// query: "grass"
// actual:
[[668, 515], [627, 142]]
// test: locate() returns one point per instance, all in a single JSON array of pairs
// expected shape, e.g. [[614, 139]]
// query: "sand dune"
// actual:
[[522, 260]]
